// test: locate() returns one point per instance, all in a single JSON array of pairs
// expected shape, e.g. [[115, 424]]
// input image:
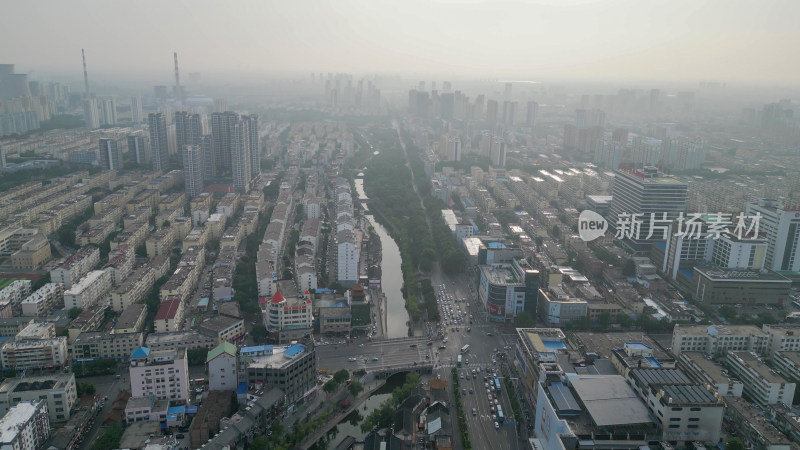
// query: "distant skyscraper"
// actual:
[[193, 170], [108, 111], [110, 154], [491, 112], [158, 140], [137, 116], [188, 129], [255, 148], [530, 116], [221, 135], [507, 92], [2, 157], [207, 147], [90, 113], [138, 149], [240, 154], [510, 113], [220, 105], [498, 152]]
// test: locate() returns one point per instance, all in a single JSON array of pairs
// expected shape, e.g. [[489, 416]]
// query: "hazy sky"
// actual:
[[722, 40]]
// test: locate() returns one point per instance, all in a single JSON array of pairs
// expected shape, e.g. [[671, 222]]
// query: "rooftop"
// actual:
[[168, 309], [11, 424], [719, 330], [611, 401], [653, 376], [688, 395], [712, 369], [280, 357], [755, 418], [755, 364], [44, 382]]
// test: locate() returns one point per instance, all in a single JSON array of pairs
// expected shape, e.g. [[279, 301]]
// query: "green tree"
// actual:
[[341, 376], [166, 224], [604, 320], [728, 312], [524, 320], [330, 387], [556, 231], [259, 443], [734, 444], [109, 440], [66, 236], [74, 313], [259, 333], [197, 356], [629, 269], [355, 388]]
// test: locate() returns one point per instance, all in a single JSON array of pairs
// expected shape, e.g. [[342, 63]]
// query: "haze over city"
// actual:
[[684, 40]]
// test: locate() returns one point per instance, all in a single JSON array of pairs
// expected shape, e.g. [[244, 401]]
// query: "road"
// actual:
[[389, 353]]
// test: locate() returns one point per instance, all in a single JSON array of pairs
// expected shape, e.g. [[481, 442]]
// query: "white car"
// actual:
[[351, 359]]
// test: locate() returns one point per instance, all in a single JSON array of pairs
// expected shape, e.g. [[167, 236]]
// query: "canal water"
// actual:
[[351, 424], [391, 275]]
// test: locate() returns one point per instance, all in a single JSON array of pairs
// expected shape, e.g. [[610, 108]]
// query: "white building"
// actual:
[[162, 374], [702, 370], [59, 391], [287, 319], [222, 367], [43, 300], [762, 385], [716, 340], [347, 258], [782, 227], [34, 353], [25, 426], [75, 266], [92, 290]]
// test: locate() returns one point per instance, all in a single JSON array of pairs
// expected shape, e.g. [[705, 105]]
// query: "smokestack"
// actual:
[[85, 73], [177, 79]]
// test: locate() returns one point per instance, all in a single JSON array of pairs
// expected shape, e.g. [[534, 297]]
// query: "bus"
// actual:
[[500, 417], [465, 349], [497, 384], [459, 361]]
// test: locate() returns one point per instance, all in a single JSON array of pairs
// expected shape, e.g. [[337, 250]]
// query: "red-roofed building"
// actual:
[[287, 319], [169, 315]]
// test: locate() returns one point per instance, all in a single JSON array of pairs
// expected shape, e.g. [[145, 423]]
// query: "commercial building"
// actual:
[[704, 371], [292, 369], [762, 385], [26, 426], [90, 291], [287, 319], [58, 391], [146, 408], [162, 374], [717, 340], [746, 287], [781, 224], [646, 191], [98, 344], [506, 290]]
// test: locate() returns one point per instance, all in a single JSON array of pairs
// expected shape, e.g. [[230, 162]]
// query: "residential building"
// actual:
[[748, 423], [223, 329], [787, 364], [702, 370], [159, 150], [146, 408], [34, 353], [240, 155], [762, 385], [43, 300], [169, 316], [190, 339], [99, 344], [133, 289], [75, 266], [162, 374], [193, 171], [26, 426], [347, 255], [11, 297], [110, 154], [32, 254], [131, 320], [59, 391], [92, 290], [222, 367], [138, 149]]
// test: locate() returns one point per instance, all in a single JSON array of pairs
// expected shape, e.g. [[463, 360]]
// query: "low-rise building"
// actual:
[[787, 364], [90, 345], [287, 319], [32, 254], [160, 243], [96, 234], [292, 369], [717, 340], [190, 339], [131, 320], [733, 287], [58, 391], [43, 300], [762, 385], [703, 370], [26, 426], [34, 353], [223, 329], [162, 374], [748, 422], [336, 319], [146, 408], [90, 291], [169, 316], [222, 367], [133, 289], [196, 238], [12, 296], [75, 266]]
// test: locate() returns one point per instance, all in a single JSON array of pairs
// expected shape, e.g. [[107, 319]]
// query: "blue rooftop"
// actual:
[[176, 410], [687, 273], [653, 362], [256, 348], [340, 305], [141, 352], [637, 346], [497, 245], [203, 302], [294, 350], [324, 291], [554, 345], [242, 388], [191, 410]]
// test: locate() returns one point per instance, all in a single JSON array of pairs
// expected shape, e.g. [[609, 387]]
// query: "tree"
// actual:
[[109, 440], [259, 333], [341, 376], [66, 236], [734, 444], [355, 388], [629, 269], [259, 443], [556, 232], [166, 224], [524, 320], [604, 320], [85, 388], [330, 387], [74, 313], [728, 312]]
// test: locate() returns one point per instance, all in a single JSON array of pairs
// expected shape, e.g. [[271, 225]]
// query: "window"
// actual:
[[674, 426]]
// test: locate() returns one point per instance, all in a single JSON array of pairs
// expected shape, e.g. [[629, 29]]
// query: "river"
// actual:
[[391, 275], [351, 424]]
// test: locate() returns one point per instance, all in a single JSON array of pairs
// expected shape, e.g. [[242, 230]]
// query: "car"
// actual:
[[496, 426], [442, 347], [464, 391], [471, 391], [462, 376], [351, 359], [474, 412], [413, 345], [494, 395], [374, 358], [496, 401], [179, 436], [489, 397], [430, 343]]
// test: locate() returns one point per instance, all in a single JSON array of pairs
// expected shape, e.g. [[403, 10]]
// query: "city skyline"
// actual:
[[526, 40]]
